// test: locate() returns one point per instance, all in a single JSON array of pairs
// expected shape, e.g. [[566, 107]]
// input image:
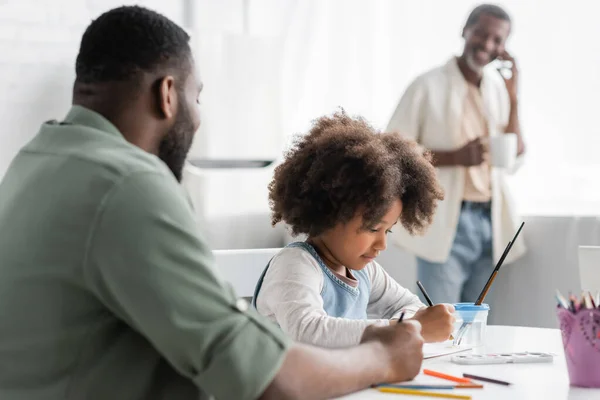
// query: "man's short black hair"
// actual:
[[127, 40], [489, 9]]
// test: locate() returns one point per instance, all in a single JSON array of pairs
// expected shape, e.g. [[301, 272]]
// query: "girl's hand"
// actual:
[[437, 322]]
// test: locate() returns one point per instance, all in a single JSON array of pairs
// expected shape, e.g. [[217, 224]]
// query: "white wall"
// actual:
[[238, 47], [39, 40]]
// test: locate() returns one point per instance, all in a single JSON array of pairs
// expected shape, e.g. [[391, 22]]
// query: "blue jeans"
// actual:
[[470, 264]]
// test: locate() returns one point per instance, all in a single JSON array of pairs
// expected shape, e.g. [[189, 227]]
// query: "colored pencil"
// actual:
[[468, 386], [423, 393], [418, 386], [428, 299], [431, 386], [573, 301], [561, 300], [483, 379], [446, 377], [425, 295], [586, 300]]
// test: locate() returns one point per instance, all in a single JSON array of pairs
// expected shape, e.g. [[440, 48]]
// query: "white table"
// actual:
[[529, 381]]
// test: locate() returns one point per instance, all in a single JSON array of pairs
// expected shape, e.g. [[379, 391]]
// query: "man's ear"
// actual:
[[464, 32], [167, 97]]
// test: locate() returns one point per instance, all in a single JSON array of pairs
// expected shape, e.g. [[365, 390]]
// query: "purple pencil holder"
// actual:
[[582, 345]]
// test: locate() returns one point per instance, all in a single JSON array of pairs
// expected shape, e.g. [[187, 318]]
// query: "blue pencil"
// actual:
[[561, 300], [418, 386]]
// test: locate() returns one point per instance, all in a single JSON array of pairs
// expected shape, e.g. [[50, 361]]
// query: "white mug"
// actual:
[[503, 150]]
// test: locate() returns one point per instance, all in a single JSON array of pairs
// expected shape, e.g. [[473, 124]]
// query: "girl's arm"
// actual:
[[291, 294], [389, 299]]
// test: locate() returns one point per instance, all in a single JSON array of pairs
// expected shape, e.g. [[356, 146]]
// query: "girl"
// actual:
[[344, 185]]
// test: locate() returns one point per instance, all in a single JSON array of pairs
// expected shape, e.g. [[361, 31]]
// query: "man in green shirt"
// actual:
[[107, 289]]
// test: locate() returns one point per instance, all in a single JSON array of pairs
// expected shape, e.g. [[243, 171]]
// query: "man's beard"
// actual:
[[176, 144]]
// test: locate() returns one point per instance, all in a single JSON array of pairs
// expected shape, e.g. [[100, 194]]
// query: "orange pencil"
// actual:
[[447, 377]]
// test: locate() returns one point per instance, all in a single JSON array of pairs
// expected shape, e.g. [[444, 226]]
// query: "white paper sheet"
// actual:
[[432, 350]]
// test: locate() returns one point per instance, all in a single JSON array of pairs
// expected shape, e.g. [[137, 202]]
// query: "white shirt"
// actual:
[[430, 113], [291, 296]]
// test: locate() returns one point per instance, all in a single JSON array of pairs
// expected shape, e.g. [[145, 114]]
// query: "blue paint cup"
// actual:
[[471, 323]]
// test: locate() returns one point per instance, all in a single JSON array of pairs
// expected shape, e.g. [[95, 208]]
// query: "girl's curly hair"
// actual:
[[344, 166]]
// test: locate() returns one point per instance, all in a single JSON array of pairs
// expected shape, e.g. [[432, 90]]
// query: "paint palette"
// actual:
[[503, 358]]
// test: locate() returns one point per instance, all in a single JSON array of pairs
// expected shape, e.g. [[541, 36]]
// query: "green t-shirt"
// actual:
[[107, 289]]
